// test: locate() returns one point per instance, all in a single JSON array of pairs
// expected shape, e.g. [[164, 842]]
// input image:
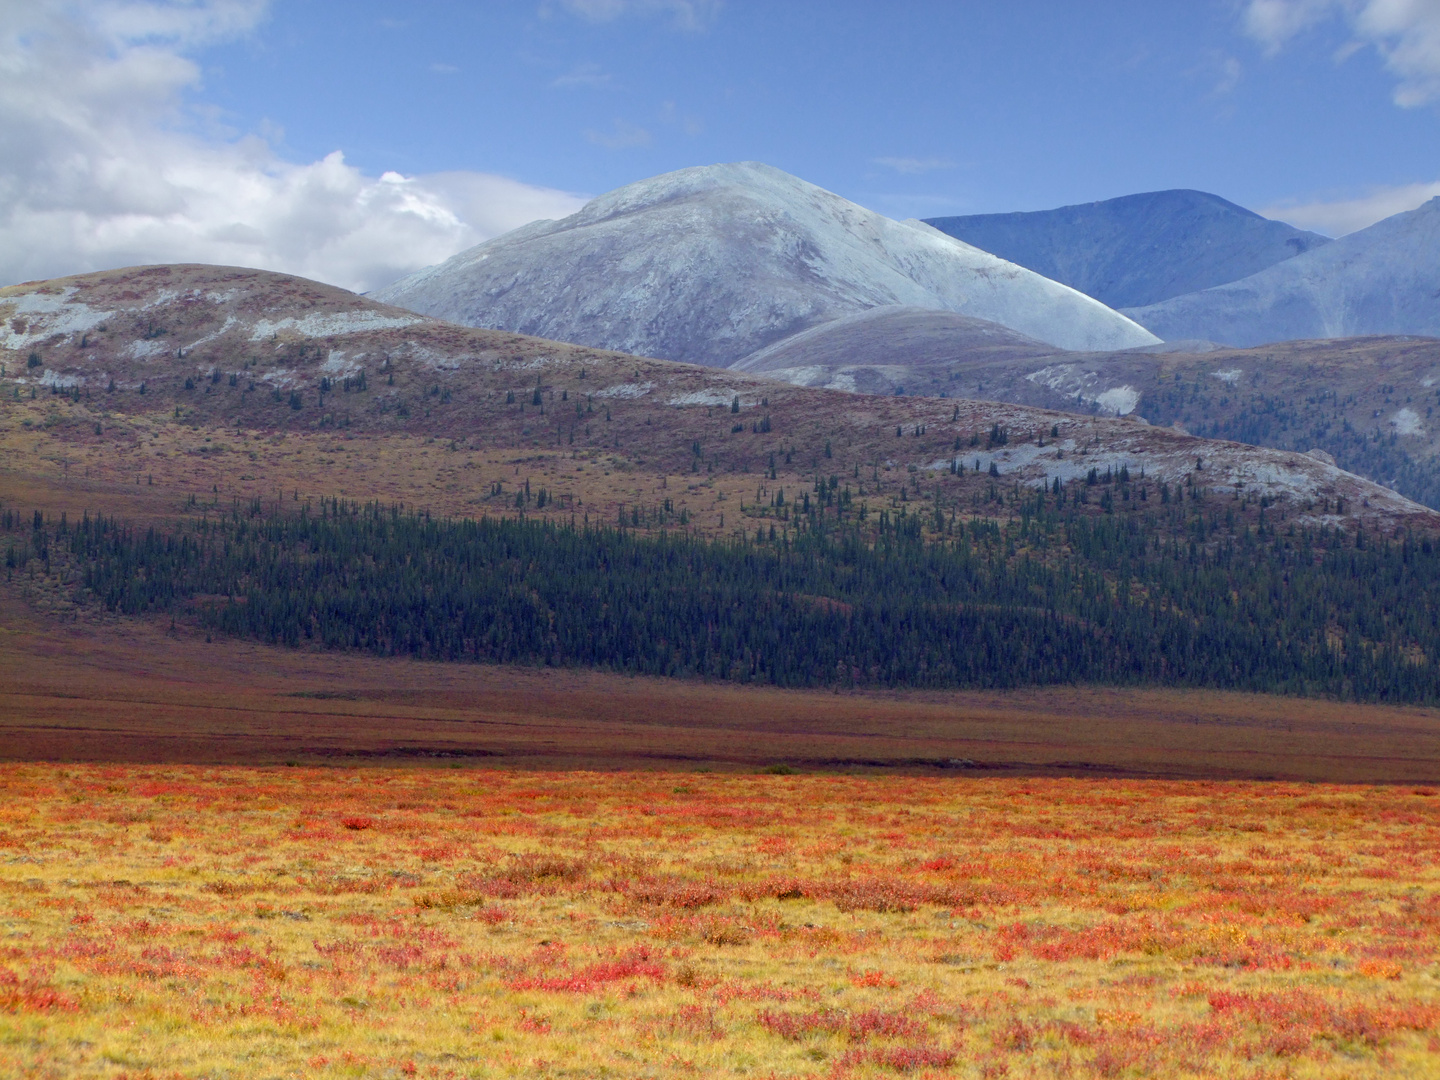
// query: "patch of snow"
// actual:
[[281, 378], [1073, 381], [701, 397], [230, 321], [1407, 422], [626, 390], [331, 324], [1118, 400], [1067, 379], [142, 349], [64, 382], [31, 318], [337, 363], [842, 380], [808, 375], [1231, 376]]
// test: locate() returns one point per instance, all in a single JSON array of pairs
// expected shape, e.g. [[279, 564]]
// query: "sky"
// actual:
[[357, 141]]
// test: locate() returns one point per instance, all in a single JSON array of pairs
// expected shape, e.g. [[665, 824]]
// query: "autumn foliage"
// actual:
[[183, 922]]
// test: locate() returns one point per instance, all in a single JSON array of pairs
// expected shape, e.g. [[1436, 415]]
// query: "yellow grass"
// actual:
[[200, 921]]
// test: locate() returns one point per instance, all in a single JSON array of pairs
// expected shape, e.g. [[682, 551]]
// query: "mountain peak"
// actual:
[[709, 264], [1137, 249]]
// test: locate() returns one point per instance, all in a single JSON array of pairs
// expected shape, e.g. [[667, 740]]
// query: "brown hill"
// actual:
[[145, 389], [1368, 402]]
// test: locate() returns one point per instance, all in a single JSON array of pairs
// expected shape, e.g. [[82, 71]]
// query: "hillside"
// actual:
[[708, 265], [1137, 249], [1380, 280], [222, 383], [890, 350], [1369, 403]]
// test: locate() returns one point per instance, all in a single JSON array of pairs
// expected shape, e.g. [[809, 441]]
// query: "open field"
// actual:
[[136, 691], [193, 921]]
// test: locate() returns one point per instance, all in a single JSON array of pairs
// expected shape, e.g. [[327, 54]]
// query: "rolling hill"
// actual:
[[891, 350], [241, 383], [1137, 249], [708, 265]]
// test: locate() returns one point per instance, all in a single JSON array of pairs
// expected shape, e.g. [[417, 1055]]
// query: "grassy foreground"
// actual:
[[160, 921]]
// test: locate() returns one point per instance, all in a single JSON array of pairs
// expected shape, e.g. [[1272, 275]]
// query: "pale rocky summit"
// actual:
[[1137, 249], [708, 265], [1380, 280]]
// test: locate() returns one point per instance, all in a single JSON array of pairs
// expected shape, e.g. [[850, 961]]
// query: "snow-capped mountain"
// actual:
[[1380, 280], [1137, 249], [709, 264]]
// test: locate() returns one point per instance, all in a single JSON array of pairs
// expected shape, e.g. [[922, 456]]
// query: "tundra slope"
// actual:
[[191, 351], [707, 265], [1380, 280], [1137, 249]]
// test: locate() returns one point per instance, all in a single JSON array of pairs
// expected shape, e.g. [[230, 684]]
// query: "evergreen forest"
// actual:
[[1053, 596]]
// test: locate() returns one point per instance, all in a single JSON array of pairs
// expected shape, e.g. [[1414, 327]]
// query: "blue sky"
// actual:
[[975, 106], [357, 141]]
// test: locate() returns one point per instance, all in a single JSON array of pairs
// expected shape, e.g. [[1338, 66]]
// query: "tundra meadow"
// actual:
[[163, 921]]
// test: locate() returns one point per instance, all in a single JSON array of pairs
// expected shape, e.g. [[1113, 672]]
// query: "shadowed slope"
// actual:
[[1138, 249]]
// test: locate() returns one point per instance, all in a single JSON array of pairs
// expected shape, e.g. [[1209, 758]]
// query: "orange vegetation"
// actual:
[[160, 921]]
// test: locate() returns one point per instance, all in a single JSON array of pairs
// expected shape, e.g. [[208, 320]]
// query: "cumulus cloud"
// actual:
[[1340, 216], [101, 165], [692, 15], [1406, 34]]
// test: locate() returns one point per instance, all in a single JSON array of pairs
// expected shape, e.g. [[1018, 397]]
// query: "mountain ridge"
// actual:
[[1139, 249], [1384, 279]]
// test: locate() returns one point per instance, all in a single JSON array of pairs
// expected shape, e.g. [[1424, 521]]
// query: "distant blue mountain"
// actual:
[[1384, 279], [1138, 249]]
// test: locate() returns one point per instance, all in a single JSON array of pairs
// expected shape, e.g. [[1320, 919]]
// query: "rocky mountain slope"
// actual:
[[1138, 249], [1380, 280], [708, 265], [212, 384]]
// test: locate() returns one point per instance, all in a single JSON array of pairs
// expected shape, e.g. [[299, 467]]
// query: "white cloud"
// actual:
[[1227, 76], [910, 166], [688, 123], [623, 136], [101, 164], [1406, 34], [588, 76], [692, 15], [1340, 216]]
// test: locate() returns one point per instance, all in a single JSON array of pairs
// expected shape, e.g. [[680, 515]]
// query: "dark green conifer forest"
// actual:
[[1054, 596]]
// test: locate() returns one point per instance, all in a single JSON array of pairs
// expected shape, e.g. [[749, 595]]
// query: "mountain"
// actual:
[[1137, 249], [891, 350], [1381, 280], [708, 265], [143, 391]]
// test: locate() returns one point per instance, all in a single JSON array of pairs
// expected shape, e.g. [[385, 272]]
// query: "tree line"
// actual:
[[1055, 596]]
